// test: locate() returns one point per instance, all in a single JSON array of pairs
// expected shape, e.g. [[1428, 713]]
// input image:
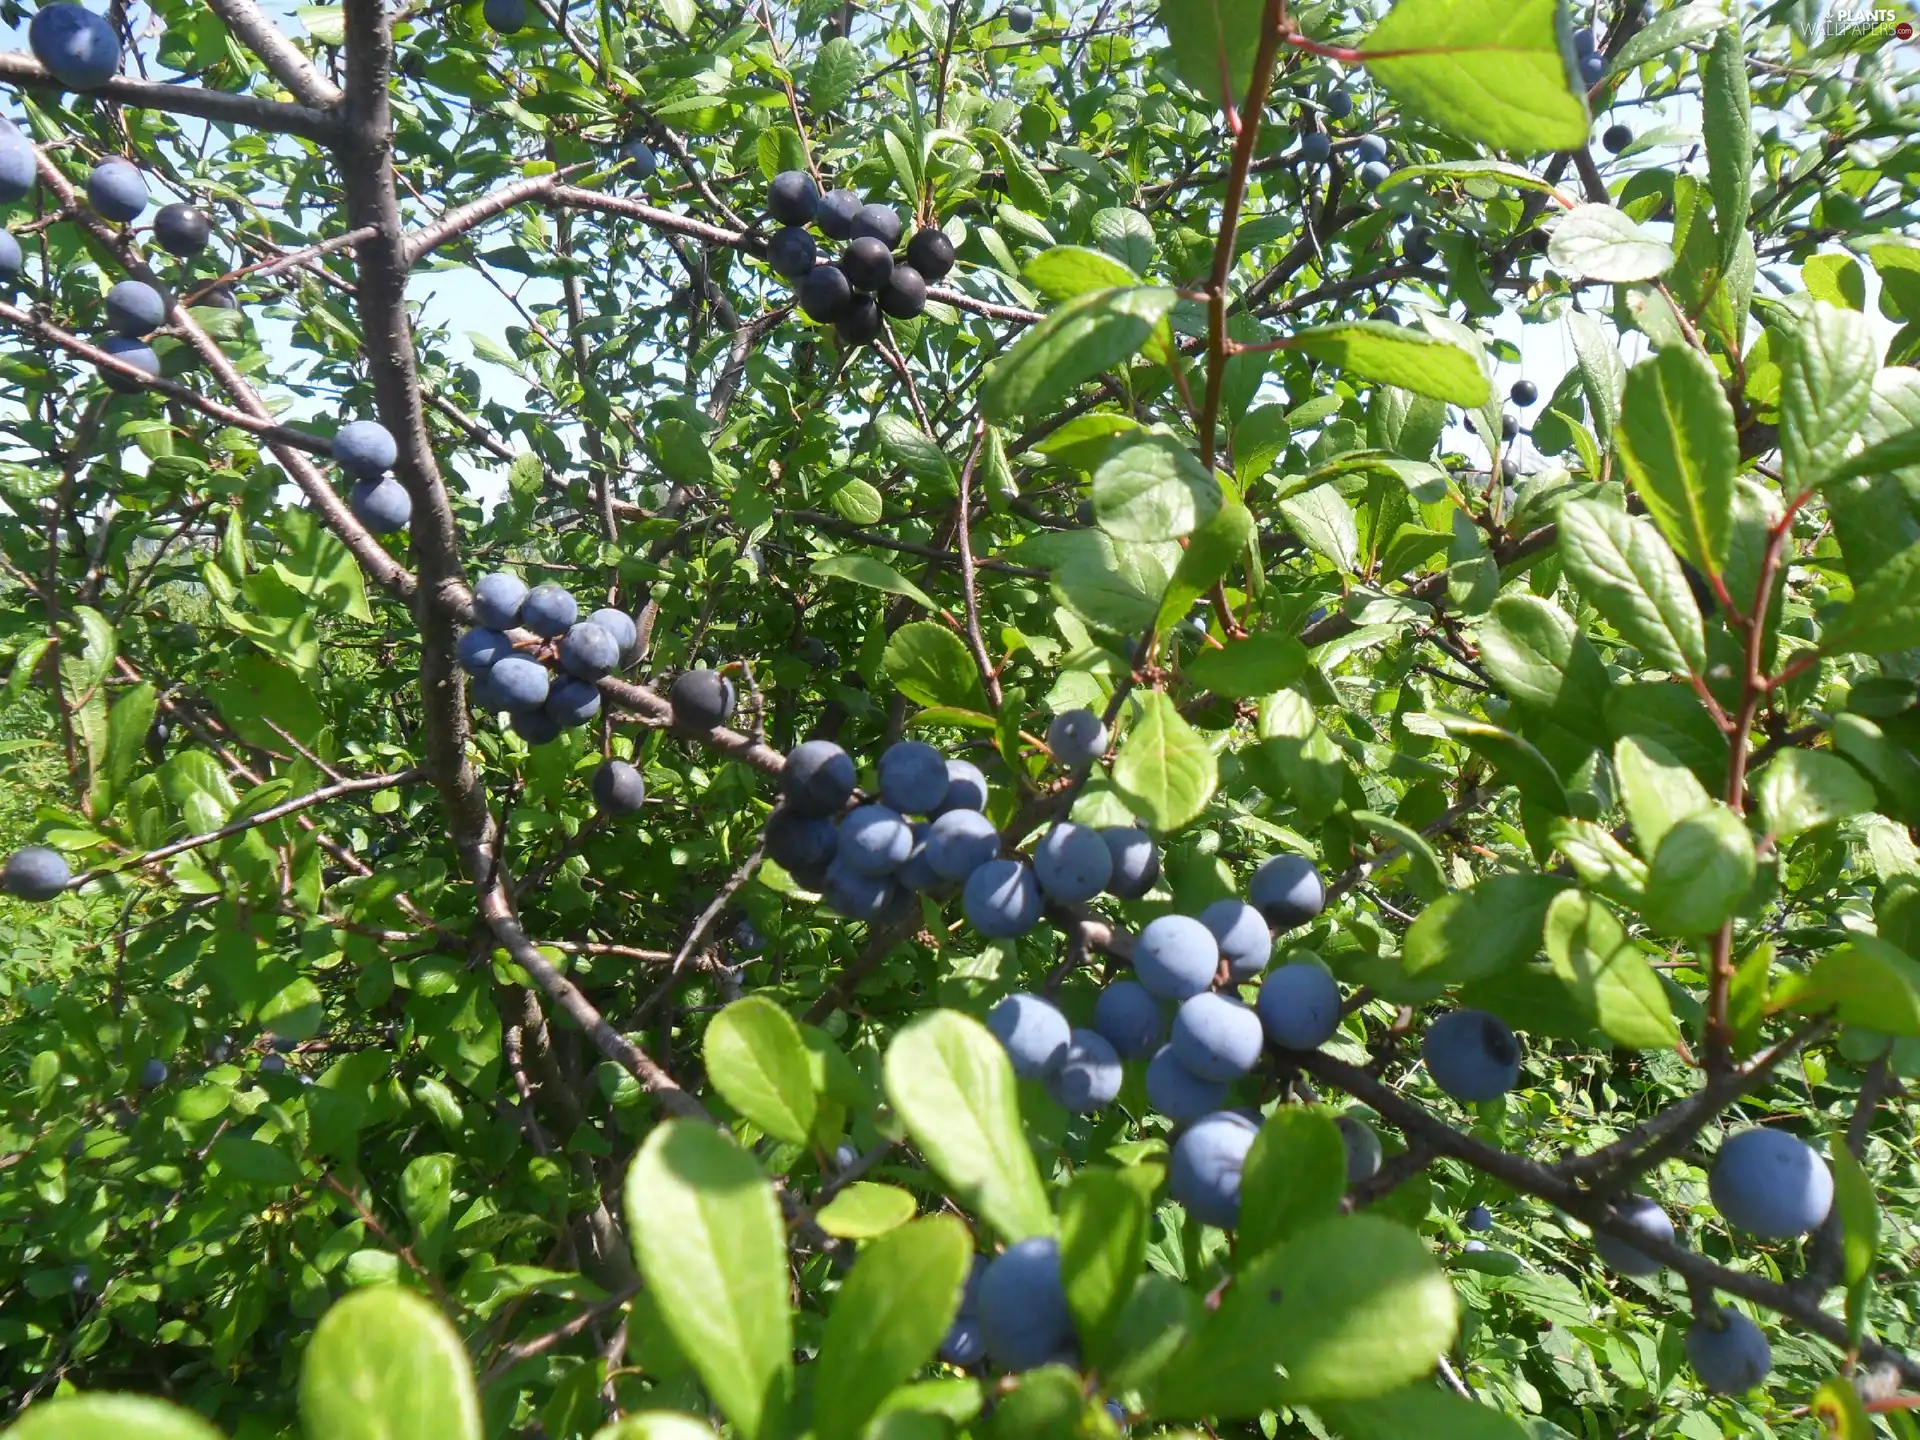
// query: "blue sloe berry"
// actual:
[[1771, 1184], [856, 895], [1136, 861], [1076, 738], [1215, 1037], [1362, 1145], [522, 684], [1471, 1055], [35, 873], [817, 778], [135, 308], [382, 505], [1175, 956], [129, 351], [966, 787], [1034, 1032], [1245, 941], [959, 842], [1728, 1352], [1179, 1094], [364, 448], [549, 610], [1299, 1005], [701, 699], [618, 624], [1001, 900], [1204, 1174], [874, 840], [572, 702], [1648, 1219], [913, 777], [587, 652], [618, 788], [1087, 1077], [1130, 1018], [1023, 1305], [1072, 863], [478, 649], [78, 47], [497, 600], [1288, 892], [792, 198]]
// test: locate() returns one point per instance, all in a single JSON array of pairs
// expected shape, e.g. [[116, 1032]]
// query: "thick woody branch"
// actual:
[[251, 111], [459, 221], [653, 710], [251, 26]]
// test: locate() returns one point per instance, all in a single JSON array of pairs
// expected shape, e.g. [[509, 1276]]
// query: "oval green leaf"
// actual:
[[757, 1061], [385, 1364], [707, 1232], [952, 1086]]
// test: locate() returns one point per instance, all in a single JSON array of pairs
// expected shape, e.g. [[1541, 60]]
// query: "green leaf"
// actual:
[[1103, 1244], [1127, 235], [1728, 124], [1394, 355], [656, 1425], [1308, 769], [1599, 242], [1884, 615], [1111, 583], [1657, 791], [110, 1417], [385, 1364], [952, 1086], [908, 446], [1293, 1178], [1499, 72], [1026, 183], [888, 1319], [1422, 1411], [1536, 653], [1664, 33], [1602, 376], [857, 502], [1838, 1407], [1493, 926], [127, 726], [1826, 386], [1628, 573], [758, 1062], [929, 664], [865, 1209], [1257, 665], [1324, 521], [1700, 874], [1517, 760], [1069, 270], [836, 71], [1049, 1403], [1089, 334], [1212, 553], [1606, 971], [877, 574], [254, 1162], [1680, 448], [1859, 1215], [1866, 982], [1800, 789], [1603, 864], [1151, 487], [1213, 44], [707, 1232], [1424, 875], [1349, 1308], [1164, 770]]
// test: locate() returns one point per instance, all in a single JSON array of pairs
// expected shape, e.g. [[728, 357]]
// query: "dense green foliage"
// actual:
[[1603, 721]]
